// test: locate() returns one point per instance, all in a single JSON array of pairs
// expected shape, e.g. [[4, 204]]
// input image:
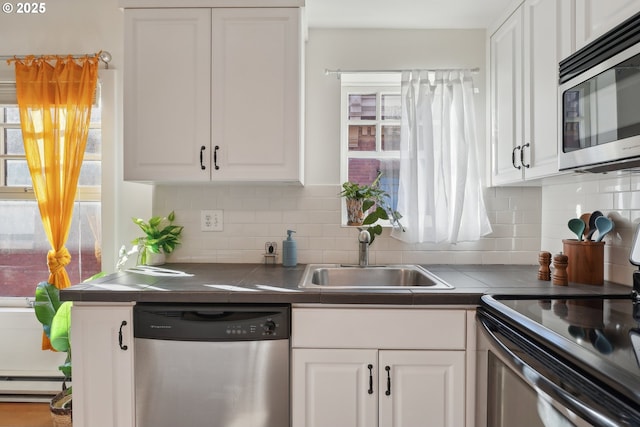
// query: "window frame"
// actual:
[[365, 84]]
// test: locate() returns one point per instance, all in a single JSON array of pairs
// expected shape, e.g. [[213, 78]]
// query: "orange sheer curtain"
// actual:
[[55, 95]]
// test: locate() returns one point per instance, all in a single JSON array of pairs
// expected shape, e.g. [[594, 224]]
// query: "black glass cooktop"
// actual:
[[600, 335]]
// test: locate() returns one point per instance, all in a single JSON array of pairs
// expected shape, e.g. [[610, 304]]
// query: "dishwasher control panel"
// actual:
[[212, 322]]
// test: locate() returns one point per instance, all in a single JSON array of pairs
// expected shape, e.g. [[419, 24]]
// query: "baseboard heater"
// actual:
[[29, 388]]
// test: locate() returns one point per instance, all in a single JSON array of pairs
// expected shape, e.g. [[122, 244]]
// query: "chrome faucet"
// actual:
[[363, 253]]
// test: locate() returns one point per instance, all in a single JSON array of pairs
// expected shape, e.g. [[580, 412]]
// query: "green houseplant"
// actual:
[[367, 205], [161, 236], [55, 317]]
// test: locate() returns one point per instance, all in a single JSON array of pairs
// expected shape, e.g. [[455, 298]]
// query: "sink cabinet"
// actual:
[[379, 367], [213, 94], [103, 387]]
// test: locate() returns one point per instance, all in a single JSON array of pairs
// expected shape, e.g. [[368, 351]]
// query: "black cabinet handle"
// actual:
[[122, 347], [513, 157], [202, 166], [522, 155], [388, 369], [215, 157], [370, 366]]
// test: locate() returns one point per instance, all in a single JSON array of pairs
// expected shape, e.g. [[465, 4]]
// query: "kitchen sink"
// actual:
[[338, 276]]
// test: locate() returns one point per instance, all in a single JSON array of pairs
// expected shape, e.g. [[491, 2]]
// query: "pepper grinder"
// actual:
[[560, 262], [544, 272]]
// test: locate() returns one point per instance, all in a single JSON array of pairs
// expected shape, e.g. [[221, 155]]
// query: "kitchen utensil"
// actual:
[[577, 226], [603, 225], [592, 223], [586, 217]]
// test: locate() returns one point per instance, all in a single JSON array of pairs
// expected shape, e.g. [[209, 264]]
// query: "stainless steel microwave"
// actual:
[[599, 103]]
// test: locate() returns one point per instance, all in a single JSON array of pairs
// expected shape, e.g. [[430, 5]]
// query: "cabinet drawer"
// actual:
[[378, 328]]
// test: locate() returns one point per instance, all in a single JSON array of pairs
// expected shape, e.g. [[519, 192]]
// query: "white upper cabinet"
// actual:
[[524, 56], [167, 93], [596, 17], [212, 94]]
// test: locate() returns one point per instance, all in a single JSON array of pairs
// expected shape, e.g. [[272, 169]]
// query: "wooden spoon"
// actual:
[[585, 218]]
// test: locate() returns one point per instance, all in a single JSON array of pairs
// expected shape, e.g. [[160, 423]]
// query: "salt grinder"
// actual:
[[544, 272], [559, 277]]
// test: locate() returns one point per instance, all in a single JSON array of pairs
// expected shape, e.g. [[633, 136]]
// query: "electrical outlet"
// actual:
[[211, 220]]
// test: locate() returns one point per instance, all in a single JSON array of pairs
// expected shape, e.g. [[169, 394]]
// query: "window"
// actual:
[[23, 244], [370, 121]]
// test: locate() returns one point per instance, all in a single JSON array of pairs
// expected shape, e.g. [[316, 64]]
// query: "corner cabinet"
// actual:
[[213, 94], [378, 367], [103, 385], [524, 55]]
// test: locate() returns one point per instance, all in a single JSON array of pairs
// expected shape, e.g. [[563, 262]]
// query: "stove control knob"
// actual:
[[269, 327]]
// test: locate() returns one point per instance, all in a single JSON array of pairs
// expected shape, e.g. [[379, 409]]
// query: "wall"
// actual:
[[254, 215], [614, 194]]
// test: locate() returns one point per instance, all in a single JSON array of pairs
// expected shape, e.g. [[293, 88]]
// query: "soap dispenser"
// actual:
[[289, 251]]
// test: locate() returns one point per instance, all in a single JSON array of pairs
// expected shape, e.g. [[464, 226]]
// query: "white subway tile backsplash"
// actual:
[[254, 215]]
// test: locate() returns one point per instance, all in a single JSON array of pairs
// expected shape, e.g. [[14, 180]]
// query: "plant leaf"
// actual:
[[47, 302], [60, 327]]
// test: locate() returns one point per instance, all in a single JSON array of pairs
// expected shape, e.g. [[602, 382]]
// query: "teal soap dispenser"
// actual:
[[289, 251]]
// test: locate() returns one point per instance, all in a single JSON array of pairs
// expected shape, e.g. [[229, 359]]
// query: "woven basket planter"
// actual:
[[60, 408]]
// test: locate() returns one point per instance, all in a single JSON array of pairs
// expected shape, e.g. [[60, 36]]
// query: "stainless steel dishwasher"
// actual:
[[200, 365]]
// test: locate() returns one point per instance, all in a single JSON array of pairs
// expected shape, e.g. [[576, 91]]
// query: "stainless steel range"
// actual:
[[561, 361]]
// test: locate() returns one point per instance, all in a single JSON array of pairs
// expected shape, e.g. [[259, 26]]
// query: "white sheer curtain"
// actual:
[[440, 191]]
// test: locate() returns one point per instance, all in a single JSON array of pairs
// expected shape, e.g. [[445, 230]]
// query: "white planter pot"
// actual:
[[156, 259]]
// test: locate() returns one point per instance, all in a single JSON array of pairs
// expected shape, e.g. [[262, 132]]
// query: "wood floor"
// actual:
[[25, 415]]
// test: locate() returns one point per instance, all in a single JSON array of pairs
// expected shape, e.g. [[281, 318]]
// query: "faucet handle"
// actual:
[[364, 236]]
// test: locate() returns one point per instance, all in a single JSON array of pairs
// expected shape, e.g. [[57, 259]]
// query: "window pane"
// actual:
[[24, 246], [90, 173], [362, 107], [362, 138], [12, 115], [390, 138], [94, 140], [13, 141], [365, 171], [17, 173], [391, 107], [96, 114]]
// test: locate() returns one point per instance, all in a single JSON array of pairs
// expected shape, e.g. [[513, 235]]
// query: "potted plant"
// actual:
[[161, 238], [55, 317], [367, 204]]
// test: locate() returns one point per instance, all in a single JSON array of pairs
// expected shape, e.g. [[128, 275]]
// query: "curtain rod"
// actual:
[[104, 57], [339, 72]]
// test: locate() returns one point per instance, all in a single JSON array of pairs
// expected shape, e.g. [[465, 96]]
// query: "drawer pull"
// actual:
[[370, 391]]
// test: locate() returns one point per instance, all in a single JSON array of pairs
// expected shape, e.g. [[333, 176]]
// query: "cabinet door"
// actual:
[[596, 17], [331, 388], [256, 94], [541, 57], [506, 100], [167, 94], [103, 386], [421, 388]]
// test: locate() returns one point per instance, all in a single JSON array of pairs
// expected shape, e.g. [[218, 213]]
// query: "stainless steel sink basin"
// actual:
[[338, 276]]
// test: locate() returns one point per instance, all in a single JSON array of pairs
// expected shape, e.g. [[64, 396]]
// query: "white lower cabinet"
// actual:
[[400, 388], [412, 374], [103, 386]]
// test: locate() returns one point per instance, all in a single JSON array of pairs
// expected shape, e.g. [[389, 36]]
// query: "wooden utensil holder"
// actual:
[[586, 261]]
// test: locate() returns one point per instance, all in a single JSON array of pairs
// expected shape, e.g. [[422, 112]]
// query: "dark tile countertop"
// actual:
[[258, 283]]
